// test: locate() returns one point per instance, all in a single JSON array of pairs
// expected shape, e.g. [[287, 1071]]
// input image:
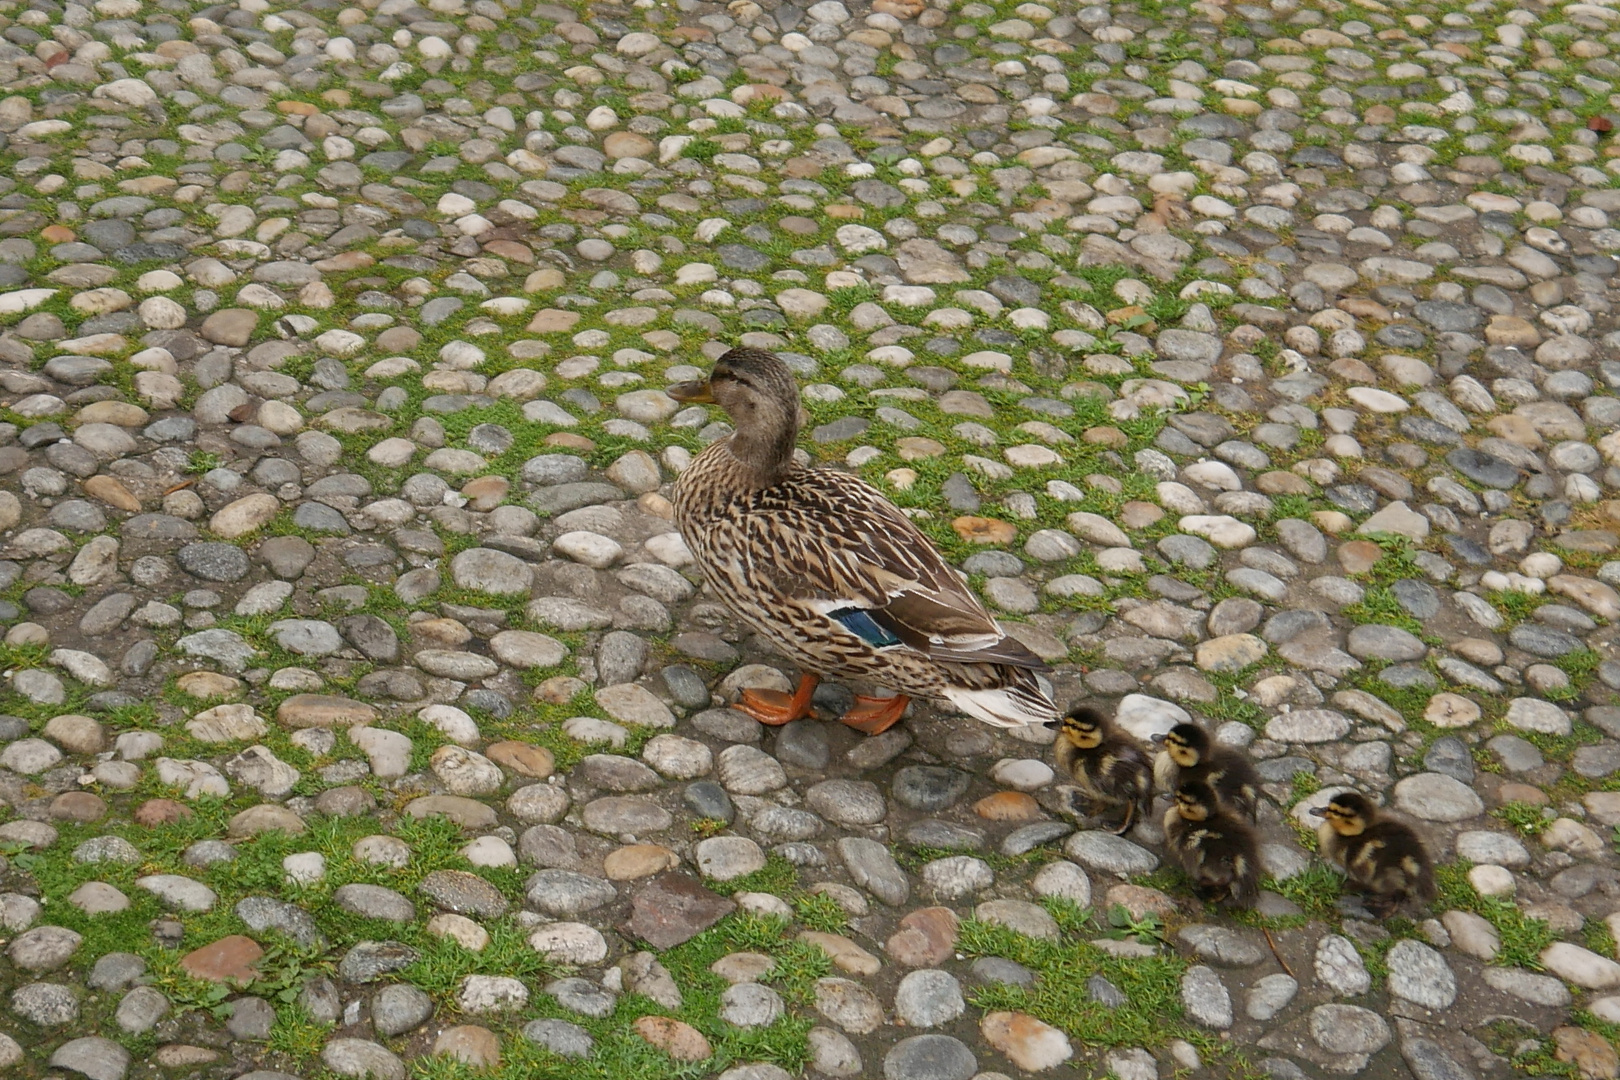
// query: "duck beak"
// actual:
[[1052, 724], [692, 393], [1320, 811], [1157, 740]]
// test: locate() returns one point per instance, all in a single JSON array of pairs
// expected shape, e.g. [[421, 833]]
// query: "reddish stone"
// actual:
[[1008, 806], [470, 1045], [1140, 900], [230, 959], [553, 321], [1359, 556], [1030, 1044], [683, 1042], [523, 758], [925, 939], [486, 492], [78, 806], [1352, 370], [673, 908], [511, 250], [1589, 1051], [1521, 793], [570, 441], [982, 530], [154, 812]]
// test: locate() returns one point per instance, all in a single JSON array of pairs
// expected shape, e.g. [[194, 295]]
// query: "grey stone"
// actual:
[[929, 1057]]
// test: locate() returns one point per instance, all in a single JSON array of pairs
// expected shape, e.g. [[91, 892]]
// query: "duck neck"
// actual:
[[764, 456]]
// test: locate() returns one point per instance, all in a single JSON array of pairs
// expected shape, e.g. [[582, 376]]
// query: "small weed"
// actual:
[[818, 911], [1515, 606], [203, 461], [1527, 819], [1598, 937], [1304, 785], [777, 877], [297, 1034], [1316, 890], [1379, 606], [1123, 926]]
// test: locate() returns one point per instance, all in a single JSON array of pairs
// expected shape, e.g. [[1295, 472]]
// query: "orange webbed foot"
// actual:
[[775, 708], [873, 716]]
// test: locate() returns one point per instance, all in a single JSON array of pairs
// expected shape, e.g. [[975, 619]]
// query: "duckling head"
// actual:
[[1194, 800], [1082, 727], [1187, 744], [1349, 813]]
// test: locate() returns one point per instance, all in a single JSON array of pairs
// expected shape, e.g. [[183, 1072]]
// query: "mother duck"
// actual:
[[832, 573]]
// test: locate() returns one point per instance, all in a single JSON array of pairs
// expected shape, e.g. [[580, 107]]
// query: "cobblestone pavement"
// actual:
[[364, 715]]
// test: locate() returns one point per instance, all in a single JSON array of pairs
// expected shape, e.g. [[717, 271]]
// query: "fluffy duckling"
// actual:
[[1105, 764], [1190, 754], [1382, 858], [1215, 847]]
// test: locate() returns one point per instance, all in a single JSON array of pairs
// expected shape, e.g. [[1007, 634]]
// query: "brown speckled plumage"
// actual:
[[785, 546]]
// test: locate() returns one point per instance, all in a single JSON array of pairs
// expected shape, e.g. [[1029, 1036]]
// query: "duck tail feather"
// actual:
[[1006, 707]]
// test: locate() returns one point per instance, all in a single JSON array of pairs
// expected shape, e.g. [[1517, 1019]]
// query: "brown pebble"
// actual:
[[925, 939], [569, 441], [1521, 793], [155, 812], [1140, 900], [228, 959], [78, 806], [1359, 556], [681, 1041], [980, 530], [1008, 806], [522, 758]]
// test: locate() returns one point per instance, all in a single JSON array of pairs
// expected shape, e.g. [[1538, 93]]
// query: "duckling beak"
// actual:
[[1052, 724], [692, 393], [1158, 740], [1320, 811]]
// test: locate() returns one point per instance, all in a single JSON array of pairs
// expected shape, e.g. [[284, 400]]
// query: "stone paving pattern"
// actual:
[[364, 715]]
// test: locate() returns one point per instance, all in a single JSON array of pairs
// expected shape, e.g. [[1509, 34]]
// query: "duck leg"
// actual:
[[1130, 819], [776, 708], [873, 715]]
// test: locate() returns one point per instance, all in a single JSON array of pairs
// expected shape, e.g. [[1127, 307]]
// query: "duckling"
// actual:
[[1190, 754], [1107, 767], [1216, 848], [1382, 859]]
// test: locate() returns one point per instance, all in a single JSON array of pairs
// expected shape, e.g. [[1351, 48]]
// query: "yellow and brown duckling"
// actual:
[[1105, 764], [1213, 846], [1190, 754], [1382, 859]]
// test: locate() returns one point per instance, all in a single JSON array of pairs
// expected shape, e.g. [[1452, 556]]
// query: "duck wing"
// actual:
[[839, 547]]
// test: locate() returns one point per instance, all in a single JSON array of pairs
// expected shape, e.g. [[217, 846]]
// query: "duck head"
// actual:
[[757, 391], [1349, 813]]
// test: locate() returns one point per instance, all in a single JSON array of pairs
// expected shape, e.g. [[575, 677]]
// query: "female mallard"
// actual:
[[832, 573]]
